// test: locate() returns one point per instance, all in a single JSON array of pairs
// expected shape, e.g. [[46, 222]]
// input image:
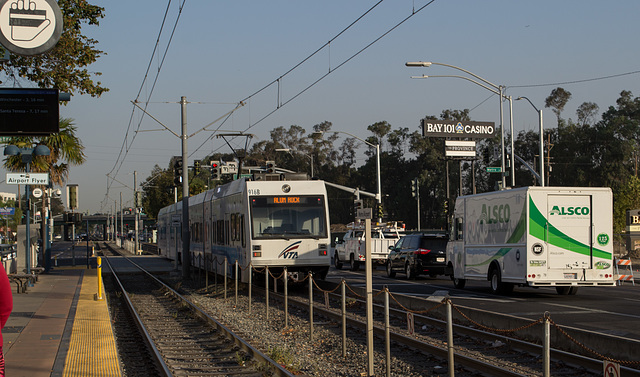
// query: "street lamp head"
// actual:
[[41, 150], [418, 64], [11, 150]]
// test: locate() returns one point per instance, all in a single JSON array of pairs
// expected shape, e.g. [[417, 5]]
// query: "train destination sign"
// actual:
[[28, 178], [28, 112], [443, 128], [286, 200]]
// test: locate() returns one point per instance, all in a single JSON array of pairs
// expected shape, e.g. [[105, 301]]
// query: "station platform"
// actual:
[[60, 328]]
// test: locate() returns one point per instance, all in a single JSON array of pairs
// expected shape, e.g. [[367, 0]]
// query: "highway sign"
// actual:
[[494, 169], [28, 178]]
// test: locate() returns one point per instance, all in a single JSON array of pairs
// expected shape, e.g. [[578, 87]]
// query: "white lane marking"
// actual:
[[588, 310]]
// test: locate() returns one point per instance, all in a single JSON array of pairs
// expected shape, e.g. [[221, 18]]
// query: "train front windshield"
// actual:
[[288, 217]]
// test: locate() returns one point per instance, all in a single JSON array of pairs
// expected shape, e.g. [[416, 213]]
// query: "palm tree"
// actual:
[[66, 150]]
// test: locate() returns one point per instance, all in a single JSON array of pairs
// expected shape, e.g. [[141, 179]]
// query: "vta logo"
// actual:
[[289, 253]]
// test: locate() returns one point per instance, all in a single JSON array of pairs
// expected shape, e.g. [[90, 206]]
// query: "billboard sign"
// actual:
[[7, 211], [445, 128]]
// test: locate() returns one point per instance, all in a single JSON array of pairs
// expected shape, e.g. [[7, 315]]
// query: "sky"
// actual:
[[222, 52]]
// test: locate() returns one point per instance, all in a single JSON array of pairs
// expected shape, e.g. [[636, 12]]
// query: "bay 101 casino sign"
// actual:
[[443, 128]]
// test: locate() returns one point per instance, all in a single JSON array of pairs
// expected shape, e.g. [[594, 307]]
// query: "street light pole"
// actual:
[[497, 89], [27, 157], [377, 147], [541, 139], [288, 150]]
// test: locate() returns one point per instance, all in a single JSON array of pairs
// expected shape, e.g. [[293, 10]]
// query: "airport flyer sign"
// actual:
[[28, 178]]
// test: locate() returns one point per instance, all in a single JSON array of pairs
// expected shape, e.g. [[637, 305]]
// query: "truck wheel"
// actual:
[[458, 283], [354, 263], [337, 263], [408, 272], [390, 272], [567, 290], [496, 283]]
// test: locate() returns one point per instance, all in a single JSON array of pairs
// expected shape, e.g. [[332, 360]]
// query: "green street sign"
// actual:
[[492, 169]]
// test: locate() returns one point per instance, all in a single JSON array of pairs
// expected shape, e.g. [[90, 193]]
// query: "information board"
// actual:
[[28, 112]]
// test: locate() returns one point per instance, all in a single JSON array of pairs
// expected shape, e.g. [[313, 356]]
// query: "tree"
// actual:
[[63, 66], [557, 101]]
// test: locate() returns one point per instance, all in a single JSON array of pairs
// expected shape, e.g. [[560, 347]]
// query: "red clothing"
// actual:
[[6, 306], [6, 299]]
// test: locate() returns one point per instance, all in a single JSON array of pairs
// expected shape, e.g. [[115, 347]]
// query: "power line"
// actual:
[[124, 148], [576, 81]]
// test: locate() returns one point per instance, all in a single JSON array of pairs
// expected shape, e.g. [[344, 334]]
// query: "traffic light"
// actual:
[[357, 204], [271, 167], [196, 167], [177, 171], [414, 187], [215, 170], [380, 211], [138, 199]]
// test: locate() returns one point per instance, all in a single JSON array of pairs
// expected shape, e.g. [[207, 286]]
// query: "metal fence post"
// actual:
[[250, 267], [547, 346], [450, 349], [286, 298], [310, 305], [236, 285], [343, 292], [225, 277], [266, 290], [387, 336]]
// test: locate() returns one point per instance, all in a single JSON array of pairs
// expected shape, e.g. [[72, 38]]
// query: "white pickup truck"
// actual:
[[351, 249]]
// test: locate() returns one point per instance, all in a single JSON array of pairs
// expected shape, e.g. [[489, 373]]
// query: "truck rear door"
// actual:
[[570, 231]]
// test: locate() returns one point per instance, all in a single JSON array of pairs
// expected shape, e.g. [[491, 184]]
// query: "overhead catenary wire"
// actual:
[[278, 106], [125, 148]]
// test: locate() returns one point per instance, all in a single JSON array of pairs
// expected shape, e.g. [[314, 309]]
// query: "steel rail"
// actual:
[[258, 355]]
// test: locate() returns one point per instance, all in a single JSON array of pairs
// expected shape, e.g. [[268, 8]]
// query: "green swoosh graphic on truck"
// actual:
[[537, 229], [516, 236]]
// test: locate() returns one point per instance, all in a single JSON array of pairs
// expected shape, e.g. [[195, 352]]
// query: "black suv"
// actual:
[[417, 254]]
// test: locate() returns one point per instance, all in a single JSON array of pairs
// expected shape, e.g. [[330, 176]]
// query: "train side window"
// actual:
[[242, 235], [226, 232]]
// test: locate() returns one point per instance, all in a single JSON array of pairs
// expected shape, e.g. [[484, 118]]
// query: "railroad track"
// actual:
[[182, 340], [476, 352]]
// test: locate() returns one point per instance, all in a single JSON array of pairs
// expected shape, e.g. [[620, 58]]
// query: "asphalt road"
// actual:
[[608, 310]]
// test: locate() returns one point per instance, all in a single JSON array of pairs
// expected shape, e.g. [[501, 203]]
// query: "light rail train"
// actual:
[[281, 223]]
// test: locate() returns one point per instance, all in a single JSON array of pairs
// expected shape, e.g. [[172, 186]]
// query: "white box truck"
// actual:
[[533, 236]]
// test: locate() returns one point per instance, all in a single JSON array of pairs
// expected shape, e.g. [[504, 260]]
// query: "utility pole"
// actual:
[[186, 244], [121, 220], [135, 209]]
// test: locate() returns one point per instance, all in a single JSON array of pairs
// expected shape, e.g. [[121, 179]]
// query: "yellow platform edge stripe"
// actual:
[[92, 349]]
